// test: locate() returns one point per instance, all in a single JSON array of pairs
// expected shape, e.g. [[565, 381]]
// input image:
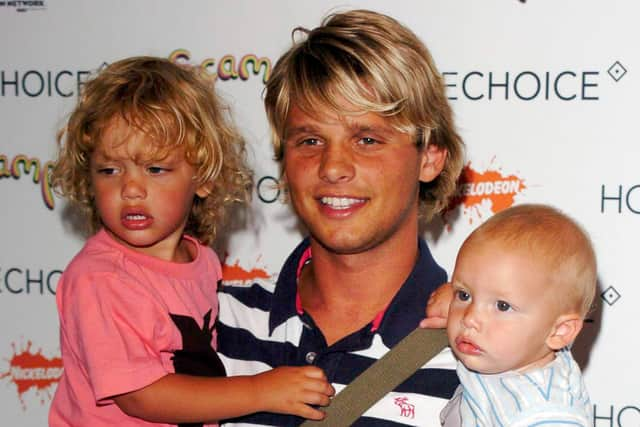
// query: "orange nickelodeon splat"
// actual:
[[491, 186], [32, 370], [235, 273]]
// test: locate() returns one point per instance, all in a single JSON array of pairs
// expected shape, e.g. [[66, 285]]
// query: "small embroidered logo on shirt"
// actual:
[[407, 410]]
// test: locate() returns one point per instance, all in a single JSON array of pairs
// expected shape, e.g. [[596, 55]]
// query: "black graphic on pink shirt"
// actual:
[[197, 357]]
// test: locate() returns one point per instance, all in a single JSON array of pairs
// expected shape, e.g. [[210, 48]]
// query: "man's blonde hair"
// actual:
[[377, 65], [176, 108], [558, 242]]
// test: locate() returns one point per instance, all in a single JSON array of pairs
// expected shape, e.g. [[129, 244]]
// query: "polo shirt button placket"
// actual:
[[310, 357]]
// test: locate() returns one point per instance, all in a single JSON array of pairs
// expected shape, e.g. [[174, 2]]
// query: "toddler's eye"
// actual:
[[463, 295], [155, 170], [107, 171], [503, 306]]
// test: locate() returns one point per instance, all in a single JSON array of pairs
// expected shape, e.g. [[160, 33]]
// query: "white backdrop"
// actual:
[[545, 94]]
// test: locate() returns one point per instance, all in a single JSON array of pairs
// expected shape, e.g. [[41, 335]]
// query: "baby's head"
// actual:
[[175, 111], [523, 282]]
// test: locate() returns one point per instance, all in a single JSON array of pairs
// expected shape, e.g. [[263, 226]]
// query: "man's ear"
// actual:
[[432, 163], [564, 331], [204, 190]]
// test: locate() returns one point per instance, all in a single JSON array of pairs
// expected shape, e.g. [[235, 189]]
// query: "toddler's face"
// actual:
[[143, 202], [503, 309]]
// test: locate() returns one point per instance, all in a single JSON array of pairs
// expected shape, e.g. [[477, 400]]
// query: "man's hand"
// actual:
[[437, 309]]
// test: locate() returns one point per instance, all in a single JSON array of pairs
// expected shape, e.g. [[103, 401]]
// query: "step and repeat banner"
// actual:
[[545, 94]]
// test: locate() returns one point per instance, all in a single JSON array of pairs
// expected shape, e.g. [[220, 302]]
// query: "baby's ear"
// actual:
[[204, 190], [564, 331]]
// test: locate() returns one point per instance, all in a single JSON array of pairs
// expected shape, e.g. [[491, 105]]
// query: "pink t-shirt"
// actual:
[[124, 317]]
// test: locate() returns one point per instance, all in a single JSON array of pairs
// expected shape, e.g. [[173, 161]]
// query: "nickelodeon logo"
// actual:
[[490, 190], [236, 274], [33, 371]]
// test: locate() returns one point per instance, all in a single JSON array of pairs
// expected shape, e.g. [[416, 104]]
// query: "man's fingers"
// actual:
[[433, 323]]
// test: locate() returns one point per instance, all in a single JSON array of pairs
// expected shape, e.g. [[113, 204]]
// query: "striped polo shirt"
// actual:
[[262, 325]]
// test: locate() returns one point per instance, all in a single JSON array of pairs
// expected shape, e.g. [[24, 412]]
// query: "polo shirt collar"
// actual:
[[284, 296], [402, 315], [407, 308]]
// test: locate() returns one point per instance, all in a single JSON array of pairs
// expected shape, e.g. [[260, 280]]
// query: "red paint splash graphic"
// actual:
[[235, 273], [490, 189], [29, 370]]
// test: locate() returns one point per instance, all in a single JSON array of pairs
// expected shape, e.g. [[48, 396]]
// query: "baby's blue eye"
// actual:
[[503, 306], [463, 296]]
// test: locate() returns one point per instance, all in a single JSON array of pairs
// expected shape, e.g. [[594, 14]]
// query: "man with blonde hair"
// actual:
[[365, 136]]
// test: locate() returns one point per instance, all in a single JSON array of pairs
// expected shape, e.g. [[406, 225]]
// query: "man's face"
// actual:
[[354, 180]]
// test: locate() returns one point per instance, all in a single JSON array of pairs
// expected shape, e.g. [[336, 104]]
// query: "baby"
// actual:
[[522, 284]]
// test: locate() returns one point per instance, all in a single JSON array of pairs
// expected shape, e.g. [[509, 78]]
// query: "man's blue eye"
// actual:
[[503, 306], [368, 141], [309, 141]]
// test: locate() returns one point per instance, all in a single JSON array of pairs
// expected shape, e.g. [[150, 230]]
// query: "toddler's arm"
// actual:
[[437, 310], [178, 398]]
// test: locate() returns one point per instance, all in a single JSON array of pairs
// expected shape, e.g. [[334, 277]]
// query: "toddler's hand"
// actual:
[[437, 309], [293, 389]]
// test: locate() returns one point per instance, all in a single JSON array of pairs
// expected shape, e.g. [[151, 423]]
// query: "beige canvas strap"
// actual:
[[384, 375]]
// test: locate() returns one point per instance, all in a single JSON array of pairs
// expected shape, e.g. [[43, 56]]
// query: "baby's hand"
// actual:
[[293, 389], [437, 309]]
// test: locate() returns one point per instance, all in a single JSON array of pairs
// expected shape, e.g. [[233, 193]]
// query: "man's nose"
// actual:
[[337, 163]]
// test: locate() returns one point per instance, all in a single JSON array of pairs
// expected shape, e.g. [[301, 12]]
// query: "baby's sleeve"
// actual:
[[552, 415]]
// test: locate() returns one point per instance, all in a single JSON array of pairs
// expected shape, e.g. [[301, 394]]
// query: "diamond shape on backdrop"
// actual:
[[610, 295], [617, 71]]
